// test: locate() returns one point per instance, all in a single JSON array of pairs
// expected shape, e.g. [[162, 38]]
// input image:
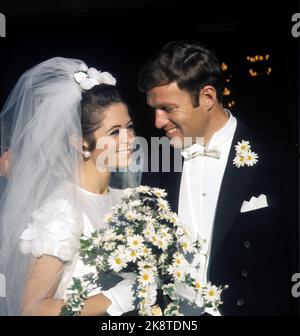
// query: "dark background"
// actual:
[[119, 36]]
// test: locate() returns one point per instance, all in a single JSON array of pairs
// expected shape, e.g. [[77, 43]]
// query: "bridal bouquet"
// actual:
[[145, 237]]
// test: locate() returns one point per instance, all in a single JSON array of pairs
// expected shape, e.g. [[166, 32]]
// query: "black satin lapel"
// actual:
[[235, 184], [171, 182], [173, 188]]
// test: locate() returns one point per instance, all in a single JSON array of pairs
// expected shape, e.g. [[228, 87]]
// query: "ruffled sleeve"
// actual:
[[54, 230]]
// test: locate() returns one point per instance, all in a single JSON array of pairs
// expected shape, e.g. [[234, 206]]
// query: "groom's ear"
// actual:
[[208, 97]]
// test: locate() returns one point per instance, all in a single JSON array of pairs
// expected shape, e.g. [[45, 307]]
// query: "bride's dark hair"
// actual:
[[93, 105]]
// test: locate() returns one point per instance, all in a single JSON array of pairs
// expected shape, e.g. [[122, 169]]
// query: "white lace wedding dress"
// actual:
[[56, 228]]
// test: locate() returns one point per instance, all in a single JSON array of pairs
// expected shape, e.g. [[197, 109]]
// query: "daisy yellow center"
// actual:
[[198, 285], [178, 261], [241, 159], [135, 242], [184, 245], [145, 277], [249, 157], [211, 293], [118, 261], [243, 147], [133, 254], [154, 239], [178, 274]]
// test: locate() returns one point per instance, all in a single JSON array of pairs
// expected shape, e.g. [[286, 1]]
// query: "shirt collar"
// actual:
[[223, 134], [217, 140]]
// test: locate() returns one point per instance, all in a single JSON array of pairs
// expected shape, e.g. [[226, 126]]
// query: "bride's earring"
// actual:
[[86, 154]]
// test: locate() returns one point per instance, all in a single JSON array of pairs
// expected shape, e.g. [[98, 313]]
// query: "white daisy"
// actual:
[[132, 255], [98, 240], [148, 293], [173, 218], [251, 158], [239, 161], [199, 285], [146, 210], [143, 189], [159, 192], [109, 246], [110, 234], [108, 218], [132, 215], [187, 233], [149, 220], [147, 265], [164, 231], [154, 239], [178, 274], [129, 231], [149, 231], [135, 203], [146, 278], [242, 147], [180, 231], [146, 251], [212, 293], [165, 214], [117, 261], [179, 260], [122, 249], [162, 204], [135, 242], [186, 244], [162, 243], [143, 293]]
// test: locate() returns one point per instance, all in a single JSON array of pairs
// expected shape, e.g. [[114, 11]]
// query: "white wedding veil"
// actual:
[[42, 114]]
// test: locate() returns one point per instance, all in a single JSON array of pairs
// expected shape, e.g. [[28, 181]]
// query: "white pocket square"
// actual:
[[255, 203]]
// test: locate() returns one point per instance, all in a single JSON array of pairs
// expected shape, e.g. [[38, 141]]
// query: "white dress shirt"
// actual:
[[200, 186]]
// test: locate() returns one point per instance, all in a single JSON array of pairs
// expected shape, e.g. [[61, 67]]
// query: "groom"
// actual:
[[237, 189]]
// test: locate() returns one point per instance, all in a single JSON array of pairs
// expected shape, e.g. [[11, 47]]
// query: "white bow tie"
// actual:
[[198, 150]]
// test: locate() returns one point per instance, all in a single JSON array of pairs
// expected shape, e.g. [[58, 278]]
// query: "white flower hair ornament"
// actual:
[[87, 78]]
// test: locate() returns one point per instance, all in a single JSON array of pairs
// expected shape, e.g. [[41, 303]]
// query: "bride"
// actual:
[[58, 188]]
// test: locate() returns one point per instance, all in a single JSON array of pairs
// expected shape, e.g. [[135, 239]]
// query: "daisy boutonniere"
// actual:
[[244, 155]]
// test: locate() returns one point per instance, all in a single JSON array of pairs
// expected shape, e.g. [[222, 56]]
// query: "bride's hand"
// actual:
[[121, 297]]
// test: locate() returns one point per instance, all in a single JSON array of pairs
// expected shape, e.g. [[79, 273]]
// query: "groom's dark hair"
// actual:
[[187, 63]]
